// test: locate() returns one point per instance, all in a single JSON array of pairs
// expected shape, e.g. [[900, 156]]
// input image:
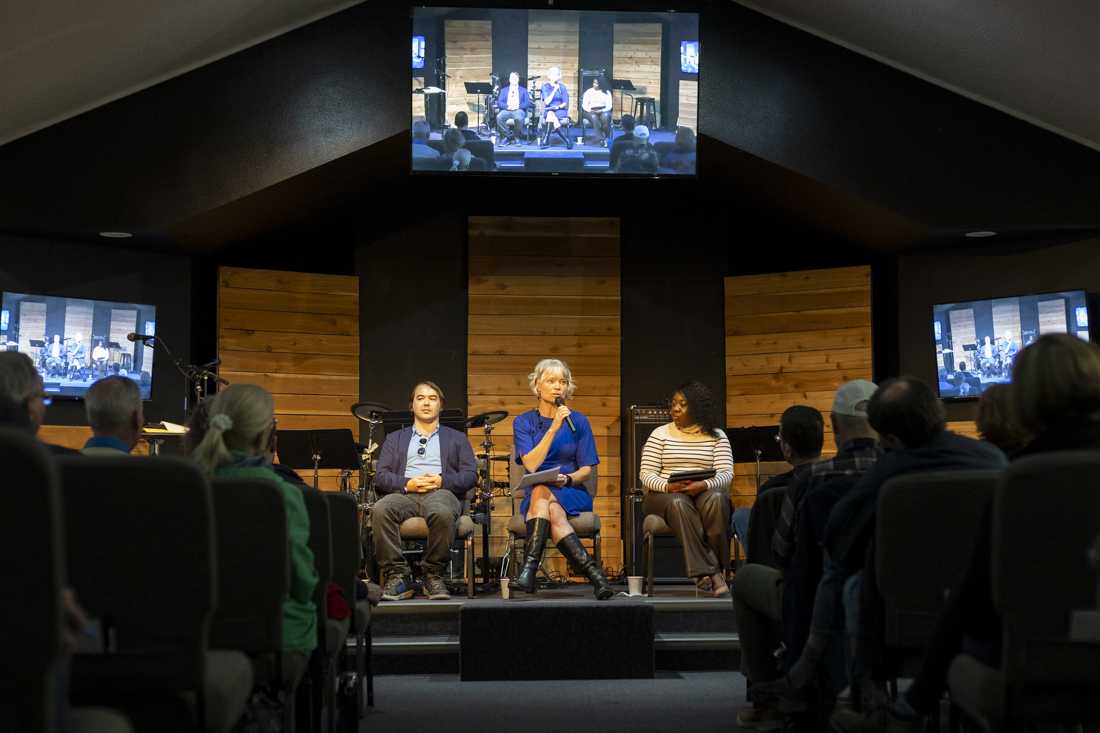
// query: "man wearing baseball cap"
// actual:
[[797, 547]]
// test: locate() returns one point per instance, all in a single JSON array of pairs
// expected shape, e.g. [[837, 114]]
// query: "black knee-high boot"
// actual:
[[570, 546], [537, 532], [565, 138], [545, 141]]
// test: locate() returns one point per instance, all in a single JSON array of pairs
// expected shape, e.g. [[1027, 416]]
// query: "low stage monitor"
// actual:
[[554, 92], [976, 342], [75, 341]]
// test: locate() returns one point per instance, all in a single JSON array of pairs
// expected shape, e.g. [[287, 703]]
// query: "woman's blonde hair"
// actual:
[[237, 416], [552, 365], [1056, 381]]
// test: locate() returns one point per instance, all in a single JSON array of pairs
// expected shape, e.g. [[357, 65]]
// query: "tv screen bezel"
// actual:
[[693, 9], [932, 331], [55, 397]]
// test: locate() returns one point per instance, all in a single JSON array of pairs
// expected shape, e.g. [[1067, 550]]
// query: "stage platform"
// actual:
[[418, 636]]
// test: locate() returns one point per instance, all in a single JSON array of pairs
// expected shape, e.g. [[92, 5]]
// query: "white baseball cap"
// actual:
[[641, 131], [852, 397]]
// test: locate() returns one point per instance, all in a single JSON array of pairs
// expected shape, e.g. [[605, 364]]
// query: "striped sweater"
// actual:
[[664, 455]]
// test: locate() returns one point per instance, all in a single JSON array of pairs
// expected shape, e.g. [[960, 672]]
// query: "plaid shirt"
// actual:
[[853, 458]]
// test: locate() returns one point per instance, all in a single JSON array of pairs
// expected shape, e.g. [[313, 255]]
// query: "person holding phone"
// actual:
[[553, 435], [697, 511]]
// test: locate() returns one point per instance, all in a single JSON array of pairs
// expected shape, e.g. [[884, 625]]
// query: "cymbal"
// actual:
[[532, 78], [501, 459], [368, 411], [486, 418]]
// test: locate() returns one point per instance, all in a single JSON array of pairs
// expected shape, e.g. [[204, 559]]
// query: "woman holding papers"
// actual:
[[548, 437], [696, 509]]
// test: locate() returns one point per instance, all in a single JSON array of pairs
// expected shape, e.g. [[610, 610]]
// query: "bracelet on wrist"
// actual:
[[568, 480]]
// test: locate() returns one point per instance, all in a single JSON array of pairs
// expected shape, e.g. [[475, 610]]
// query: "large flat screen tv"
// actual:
[[555, 92], [75, 341], [977, 341]]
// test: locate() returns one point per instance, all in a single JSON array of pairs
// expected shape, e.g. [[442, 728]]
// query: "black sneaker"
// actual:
[[397, 588], [435, 589]]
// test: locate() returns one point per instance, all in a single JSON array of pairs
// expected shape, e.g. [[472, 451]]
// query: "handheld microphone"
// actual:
[[559, 402], [139, 337]]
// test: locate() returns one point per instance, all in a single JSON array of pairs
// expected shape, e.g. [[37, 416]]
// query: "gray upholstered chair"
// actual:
[[416, 528], [655, 525], [1045, 675], [344, 517], [141, 552], [925, 524], [31, 529], [585, 524]]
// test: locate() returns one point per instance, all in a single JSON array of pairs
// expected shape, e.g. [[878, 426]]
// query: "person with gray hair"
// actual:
[[420, 134], [547, 437], [114, 410], [22, 397]]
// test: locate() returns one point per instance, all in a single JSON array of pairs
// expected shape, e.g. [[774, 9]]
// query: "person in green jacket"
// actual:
[[240, 426]]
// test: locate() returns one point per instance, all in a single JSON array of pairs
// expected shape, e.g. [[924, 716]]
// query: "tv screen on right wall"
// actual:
[[977, 341]]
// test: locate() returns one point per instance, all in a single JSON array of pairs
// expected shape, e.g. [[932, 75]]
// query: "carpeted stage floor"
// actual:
[[674, 702]]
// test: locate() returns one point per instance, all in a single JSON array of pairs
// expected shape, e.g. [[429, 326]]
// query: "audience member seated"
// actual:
[[910, 421], [811, 609], [696, 511], [996, 423], [681, 158], [801, 436], [758, 589], [1055, 393], [462, 122], [461, 159], [453, 141], [622, 142], [22, 398], [113, 407], [238, 443], [640, 151], [421, 151]]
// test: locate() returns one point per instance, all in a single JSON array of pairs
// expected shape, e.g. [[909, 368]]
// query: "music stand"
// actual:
[[481, 89], [624, 87], [755, 444], [317, 448]]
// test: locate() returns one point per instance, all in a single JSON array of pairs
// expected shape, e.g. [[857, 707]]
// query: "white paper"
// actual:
[[548, 477]]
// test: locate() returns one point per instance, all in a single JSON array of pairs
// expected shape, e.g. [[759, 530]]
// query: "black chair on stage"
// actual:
[[142, 557], [253, 581], [585, 524], [31, 529]]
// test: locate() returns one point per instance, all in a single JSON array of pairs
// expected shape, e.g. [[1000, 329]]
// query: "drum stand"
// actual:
[[483, 508]]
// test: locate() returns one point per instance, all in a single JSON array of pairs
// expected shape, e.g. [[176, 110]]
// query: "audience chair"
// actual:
[[253, 580], [654, 525], [585, 524], [762, 520], [142, 559], [483, 149], [1045, 676], [31, 530], [416, 528], [344, 517], [924, 531], [331, 634]]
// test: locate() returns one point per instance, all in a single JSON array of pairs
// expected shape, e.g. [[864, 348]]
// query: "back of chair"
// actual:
[[253, 565], [31, 537], [320, 543], [344, 518], [762, 521], [1046, 514], [483, 149], [925, 531]]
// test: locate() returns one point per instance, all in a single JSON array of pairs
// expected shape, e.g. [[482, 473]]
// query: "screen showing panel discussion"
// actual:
[[552, 92]]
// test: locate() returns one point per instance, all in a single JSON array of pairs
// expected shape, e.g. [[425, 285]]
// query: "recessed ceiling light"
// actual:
[[981, 234], [116, 235]]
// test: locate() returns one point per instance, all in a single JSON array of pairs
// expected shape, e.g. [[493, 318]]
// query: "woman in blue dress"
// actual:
[[555, 108], [544, 438]]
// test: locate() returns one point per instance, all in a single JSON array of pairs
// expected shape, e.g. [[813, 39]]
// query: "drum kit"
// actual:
[[372, 414]]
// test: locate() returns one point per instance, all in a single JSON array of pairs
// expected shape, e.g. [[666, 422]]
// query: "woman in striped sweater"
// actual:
[[698, 512]]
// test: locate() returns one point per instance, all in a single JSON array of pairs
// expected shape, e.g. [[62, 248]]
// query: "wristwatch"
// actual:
[[568, 480]]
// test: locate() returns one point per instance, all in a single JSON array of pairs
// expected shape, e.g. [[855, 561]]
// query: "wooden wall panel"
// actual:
[[468, 46], [689, 104], [516, 318], [636, 55], [553, 39], [792, 338], [296, 335]]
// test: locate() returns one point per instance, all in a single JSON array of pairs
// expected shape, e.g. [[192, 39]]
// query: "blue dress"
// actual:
[[569, 450]]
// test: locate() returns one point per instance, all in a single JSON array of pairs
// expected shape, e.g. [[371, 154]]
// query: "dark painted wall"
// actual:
[[115, 274], [926, 280]]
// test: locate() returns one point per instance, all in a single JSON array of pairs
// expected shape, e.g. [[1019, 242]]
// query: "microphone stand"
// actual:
[[195, 375]]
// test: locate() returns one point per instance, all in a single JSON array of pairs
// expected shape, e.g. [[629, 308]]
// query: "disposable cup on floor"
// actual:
[[634, 585], [504, 589]]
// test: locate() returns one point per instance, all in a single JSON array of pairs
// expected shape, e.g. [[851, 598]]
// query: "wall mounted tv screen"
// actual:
[[75, 341], [977, 341], [555, 92]]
